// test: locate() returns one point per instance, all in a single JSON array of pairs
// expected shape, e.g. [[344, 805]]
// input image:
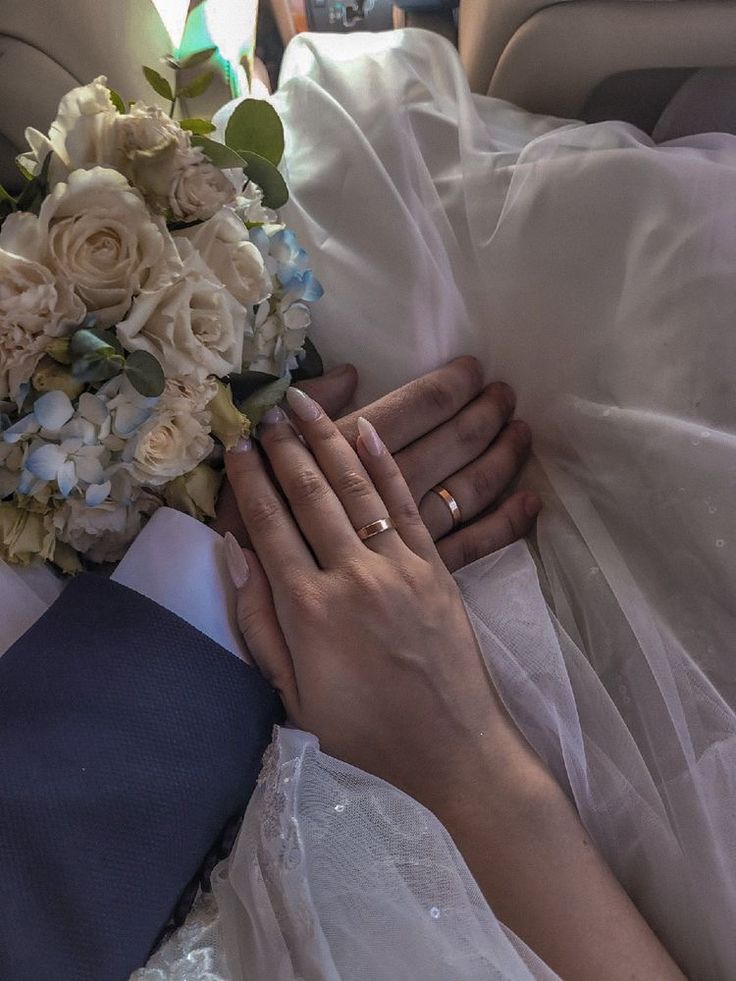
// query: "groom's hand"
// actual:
[[444, 428]]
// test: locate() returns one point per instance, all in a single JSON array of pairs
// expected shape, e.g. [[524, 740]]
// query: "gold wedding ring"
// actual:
[[375, 528], [457, 516]]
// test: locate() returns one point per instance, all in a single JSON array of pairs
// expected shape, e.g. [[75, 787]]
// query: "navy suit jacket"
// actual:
[[129, 742]]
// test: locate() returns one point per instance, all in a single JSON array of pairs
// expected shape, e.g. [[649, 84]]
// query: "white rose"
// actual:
[[82, 135], [223, 244], [154, 150], [198, 190], [194, 326], [102, 239], [102, 533], [34, 304], [170, 444], [278, 338]]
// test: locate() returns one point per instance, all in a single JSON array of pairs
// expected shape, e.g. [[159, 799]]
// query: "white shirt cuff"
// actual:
[[179, 563]]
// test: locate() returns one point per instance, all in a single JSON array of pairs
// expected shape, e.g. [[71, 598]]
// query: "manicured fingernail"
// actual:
[[242, 446], [236, 563], [273, 416], [532, 505], [302, 405], [371, 440]]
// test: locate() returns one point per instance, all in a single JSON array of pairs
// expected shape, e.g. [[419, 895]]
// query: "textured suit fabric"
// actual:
[[128, 741]]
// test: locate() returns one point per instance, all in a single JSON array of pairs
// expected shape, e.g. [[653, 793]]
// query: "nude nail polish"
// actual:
[[242, 446], [236, 562], [371, 440], [304, 407], [272, 416]]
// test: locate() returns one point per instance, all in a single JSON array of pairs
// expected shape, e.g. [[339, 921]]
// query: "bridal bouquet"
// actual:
[[151, 308]]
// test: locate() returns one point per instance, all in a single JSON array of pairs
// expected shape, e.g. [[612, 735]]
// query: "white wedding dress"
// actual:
[[596, 273]]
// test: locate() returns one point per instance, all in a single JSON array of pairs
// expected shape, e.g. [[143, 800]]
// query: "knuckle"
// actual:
[[306, 487], [476, 429], [407, 514], [470, 371], [440, 396], [484, 485], [360, 576], [502, 395], [353, 485], [262, 511]]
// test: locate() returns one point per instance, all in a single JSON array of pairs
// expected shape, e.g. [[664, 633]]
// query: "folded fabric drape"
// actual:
[[596, 273]]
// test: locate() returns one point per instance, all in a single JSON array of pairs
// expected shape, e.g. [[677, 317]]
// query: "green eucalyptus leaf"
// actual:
[[117, 101], [218, 153], [310, 365], [158, 83], [255, 126], [5, 196], [201, 127], [94, 369], [264, 399], [200, 85], [94, 342], [145, 374], [198, 58], [267, 177]]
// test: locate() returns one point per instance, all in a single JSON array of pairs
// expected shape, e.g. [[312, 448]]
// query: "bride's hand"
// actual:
[[370, 647], [367, 642], [444, 428]]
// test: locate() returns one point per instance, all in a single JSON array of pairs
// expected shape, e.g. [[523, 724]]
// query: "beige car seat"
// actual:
[[46, 48], [589, 59]]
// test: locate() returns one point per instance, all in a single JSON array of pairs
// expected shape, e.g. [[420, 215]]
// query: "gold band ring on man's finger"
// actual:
[[454, 507]]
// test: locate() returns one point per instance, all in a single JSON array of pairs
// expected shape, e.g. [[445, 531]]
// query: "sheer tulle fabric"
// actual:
[[595, 272]]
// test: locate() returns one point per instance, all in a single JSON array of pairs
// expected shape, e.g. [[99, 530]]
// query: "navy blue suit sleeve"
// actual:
[[128, 742]]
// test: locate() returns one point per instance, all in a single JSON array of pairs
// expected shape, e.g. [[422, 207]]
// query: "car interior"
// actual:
[[666, 66]]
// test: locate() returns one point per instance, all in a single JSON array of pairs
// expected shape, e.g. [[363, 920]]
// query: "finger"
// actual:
[[411, 411], [394, 491], [348, 481], [259, 624], [513, 519], [334, 390], [476, 486], [270, 526], [227, 517], [460, 440], [314, 485]]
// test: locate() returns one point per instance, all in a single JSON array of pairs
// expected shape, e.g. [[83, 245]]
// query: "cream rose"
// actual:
[[223, 244], [154, 151], [170, 444], [194, 326], [198, 190], [34, 304], [102, 533], [82, 135], [102, 239]]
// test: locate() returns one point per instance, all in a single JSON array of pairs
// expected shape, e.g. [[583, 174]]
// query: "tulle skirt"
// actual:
[[596, 273]]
